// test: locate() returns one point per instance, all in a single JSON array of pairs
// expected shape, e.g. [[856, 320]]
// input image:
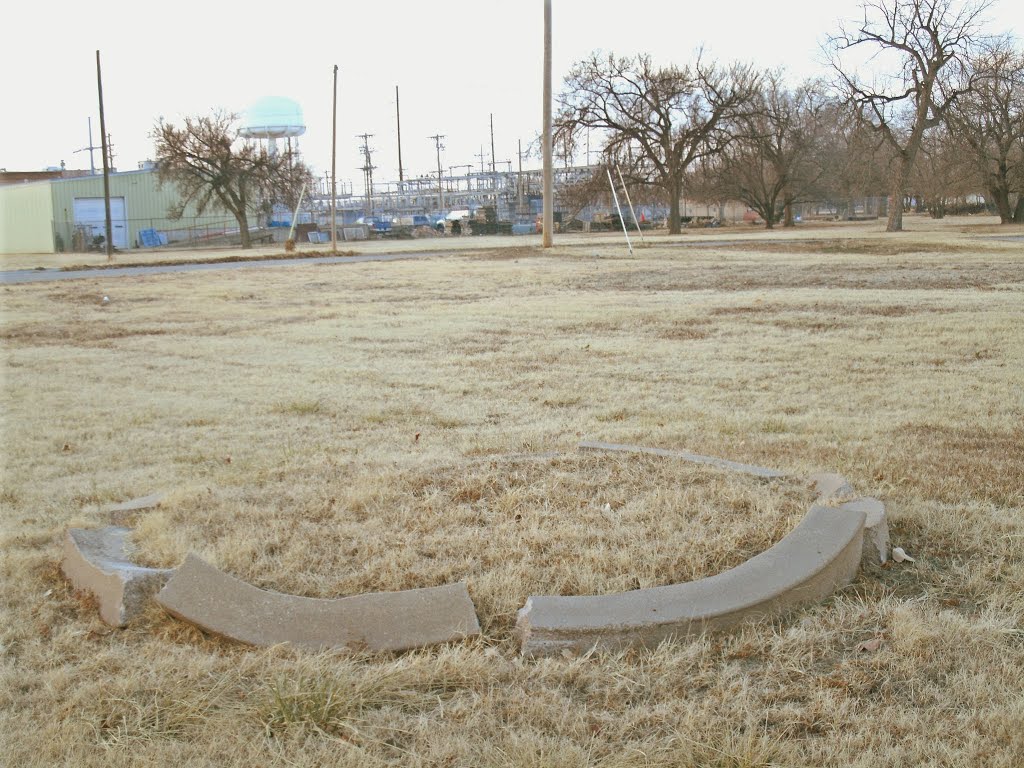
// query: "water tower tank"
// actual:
[[273, 117]]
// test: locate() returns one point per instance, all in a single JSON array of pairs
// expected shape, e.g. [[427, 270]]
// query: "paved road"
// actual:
[[16, 276]]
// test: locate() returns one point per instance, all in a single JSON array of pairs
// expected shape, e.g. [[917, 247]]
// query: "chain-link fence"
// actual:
[[148, 233]]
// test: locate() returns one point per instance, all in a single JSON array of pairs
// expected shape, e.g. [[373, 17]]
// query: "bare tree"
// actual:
[[586, 191], [928, 43], [775, 161], [856, 161], [941, 174], [210, 165], [989, 122], [657, 121]]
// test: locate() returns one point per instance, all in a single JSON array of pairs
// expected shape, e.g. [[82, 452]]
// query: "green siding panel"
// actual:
[[39, 217], [146, 205], [26, 215]]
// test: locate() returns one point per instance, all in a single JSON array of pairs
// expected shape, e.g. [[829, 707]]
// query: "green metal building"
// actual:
[[68, 214]]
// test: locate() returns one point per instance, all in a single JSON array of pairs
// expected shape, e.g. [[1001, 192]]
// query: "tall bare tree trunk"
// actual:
[[243, 228], [1001, 197], [895, 221], [675, 191], [787, 215], [898, 188], [1018, 213]]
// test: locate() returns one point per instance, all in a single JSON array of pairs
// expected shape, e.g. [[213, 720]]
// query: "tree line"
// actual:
[[943, 120]]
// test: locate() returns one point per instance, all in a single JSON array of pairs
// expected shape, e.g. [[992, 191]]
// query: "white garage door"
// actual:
[[89, 213]]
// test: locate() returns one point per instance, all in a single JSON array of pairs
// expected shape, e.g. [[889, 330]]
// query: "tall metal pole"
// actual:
[[622, 219], [106, 164], [549, 206], [92, 162], [334, 159], [440, 189], [492, 142], [367, 169], [519, 178], [629, 202], [398, 121]]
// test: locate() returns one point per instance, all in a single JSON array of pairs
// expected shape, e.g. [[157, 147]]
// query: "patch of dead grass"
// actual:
[[383, 424]]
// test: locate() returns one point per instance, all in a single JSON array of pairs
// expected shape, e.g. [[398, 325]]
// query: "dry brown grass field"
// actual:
[[330, 430]]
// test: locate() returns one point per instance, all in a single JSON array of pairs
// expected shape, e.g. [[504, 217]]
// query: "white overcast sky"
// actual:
[[455, 63]]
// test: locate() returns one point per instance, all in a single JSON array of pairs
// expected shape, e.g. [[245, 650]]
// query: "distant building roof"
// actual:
[[19, 177]]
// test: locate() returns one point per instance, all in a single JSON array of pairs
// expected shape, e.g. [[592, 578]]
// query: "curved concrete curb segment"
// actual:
[[695, 458], [876, 528], [384, 621], [97, 561], [820, 555], [831, 487], [134, 505]]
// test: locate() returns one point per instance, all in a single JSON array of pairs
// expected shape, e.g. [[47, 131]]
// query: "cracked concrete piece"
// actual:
[[97, 561], [819, 556], [876, 528], [831, 487], [219, 603], [732, 466]]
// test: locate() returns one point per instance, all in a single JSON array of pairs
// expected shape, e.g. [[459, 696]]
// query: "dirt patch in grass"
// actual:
[[513, 253], [672, 278], [211, 259], [887, 247], [84, 334]]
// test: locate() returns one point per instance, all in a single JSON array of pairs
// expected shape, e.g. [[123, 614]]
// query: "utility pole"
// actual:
[[440, 189], [492, 142], [106, 164], [549, 203], [367, 170], [334, 165], [398, 121], [480, 156]]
